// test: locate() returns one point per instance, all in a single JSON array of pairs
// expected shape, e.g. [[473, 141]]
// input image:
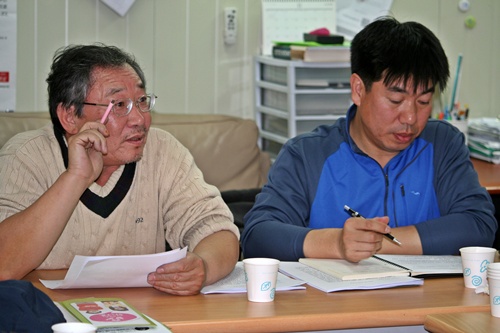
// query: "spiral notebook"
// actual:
[[388, 265]]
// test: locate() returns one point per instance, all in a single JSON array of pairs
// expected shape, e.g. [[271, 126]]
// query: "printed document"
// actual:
[[113, 271]]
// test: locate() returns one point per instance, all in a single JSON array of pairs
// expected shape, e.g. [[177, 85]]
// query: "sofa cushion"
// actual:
[[224, 147], [12, 123]]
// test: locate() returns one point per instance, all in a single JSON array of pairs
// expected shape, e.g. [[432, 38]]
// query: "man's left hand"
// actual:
[[183, 277]]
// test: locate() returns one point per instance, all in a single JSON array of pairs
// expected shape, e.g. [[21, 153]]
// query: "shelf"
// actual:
[[273, 112], [328, 91], [274, 137], [269, 60], [272, 86], [285, 109]]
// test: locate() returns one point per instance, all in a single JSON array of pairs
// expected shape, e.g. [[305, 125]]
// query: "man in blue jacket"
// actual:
[[409, 175]]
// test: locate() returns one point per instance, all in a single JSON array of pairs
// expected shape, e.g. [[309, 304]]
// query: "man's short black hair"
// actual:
[[392, 51]]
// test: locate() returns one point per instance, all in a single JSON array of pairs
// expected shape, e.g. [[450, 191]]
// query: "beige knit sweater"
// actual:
[[168, 199]]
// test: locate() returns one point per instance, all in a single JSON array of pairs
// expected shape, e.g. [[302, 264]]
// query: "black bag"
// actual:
[[26, 309]]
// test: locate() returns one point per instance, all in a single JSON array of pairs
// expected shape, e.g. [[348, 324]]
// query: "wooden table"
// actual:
[[298, 310], [489, 175], [438, 301], [478, 322]]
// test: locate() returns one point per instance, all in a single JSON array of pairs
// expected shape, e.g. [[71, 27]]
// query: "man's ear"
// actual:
[[67, 117], [357, 89]]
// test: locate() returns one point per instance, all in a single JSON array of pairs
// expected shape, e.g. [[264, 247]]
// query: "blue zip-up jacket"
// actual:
[[432, 184]]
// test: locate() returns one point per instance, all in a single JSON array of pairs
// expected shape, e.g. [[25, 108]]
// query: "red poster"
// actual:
[[4, 77]]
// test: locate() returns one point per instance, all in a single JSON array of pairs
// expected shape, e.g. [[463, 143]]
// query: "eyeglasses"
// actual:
[[123, 107]]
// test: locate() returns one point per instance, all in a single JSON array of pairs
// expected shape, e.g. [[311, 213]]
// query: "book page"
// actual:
[[426, 264], [345, 270]]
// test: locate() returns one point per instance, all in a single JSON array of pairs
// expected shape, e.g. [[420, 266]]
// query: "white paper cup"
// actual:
[[494, 268], [73, 328], [260, 276], [494, 290], [475, 261], [462, 126]]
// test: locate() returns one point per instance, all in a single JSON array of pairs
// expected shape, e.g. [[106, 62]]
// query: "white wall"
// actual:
[[180, 47]]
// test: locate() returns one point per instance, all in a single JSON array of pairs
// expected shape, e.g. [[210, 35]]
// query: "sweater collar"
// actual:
[[102, 206]]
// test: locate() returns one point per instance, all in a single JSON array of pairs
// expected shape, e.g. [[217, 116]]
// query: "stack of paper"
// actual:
[[101, 271], [484, 139]]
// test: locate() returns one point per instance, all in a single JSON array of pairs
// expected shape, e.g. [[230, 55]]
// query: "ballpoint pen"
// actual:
[[356, 214]]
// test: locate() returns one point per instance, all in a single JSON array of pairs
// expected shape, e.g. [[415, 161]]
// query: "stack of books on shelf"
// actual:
[[312, 51], [317, 46], [484, 139]]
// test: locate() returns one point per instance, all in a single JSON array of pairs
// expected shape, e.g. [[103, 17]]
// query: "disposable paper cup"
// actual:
[[475, 261], [260, 276], [73, 328], [494, 268], [494, 289], [462, 126]]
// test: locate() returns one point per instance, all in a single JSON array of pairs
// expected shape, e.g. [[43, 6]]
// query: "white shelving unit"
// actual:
[[293, 97]]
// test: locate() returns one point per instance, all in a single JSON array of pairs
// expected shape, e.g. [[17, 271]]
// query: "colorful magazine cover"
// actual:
[[106, 312]]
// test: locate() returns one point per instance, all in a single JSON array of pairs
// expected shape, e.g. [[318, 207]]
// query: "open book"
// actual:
[[329, 283], [388, 265]]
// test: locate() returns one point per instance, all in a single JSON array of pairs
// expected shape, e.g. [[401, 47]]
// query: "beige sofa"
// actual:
[[224, 147]]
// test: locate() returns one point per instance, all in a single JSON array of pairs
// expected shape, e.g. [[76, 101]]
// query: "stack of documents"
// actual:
[[484, 139], [101, 271]]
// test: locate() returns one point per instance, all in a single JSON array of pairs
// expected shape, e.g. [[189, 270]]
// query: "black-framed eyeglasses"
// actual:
[[122, 107]]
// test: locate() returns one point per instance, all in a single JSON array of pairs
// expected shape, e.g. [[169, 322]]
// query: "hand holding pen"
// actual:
[[356, 214]]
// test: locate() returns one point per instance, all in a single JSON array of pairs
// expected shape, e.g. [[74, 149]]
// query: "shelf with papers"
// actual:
[[294, 97]]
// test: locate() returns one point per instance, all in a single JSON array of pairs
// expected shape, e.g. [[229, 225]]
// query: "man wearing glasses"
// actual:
[[99, 181]]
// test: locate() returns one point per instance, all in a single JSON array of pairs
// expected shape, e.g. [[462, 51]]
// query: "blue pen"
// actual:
[[356, 214]]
